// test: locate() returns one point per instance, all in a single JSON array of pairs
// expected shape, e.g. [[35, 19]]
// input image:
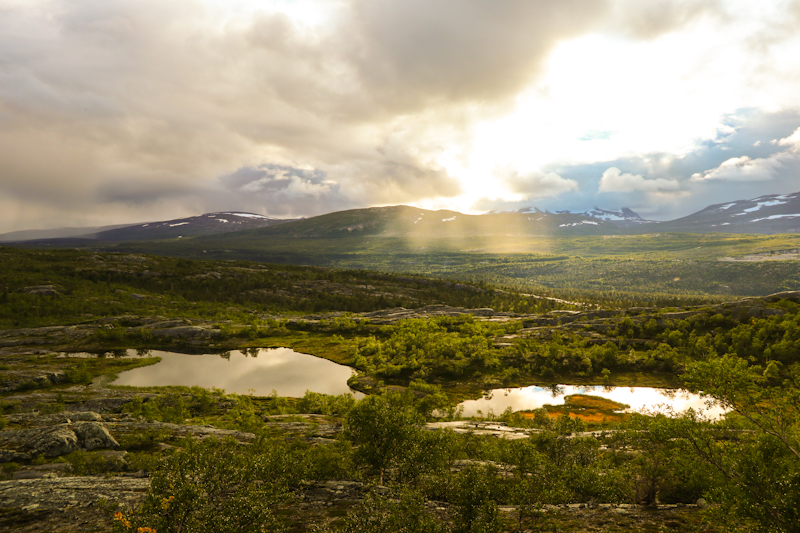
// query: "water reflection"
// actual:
[[255, 370], [640, 399]]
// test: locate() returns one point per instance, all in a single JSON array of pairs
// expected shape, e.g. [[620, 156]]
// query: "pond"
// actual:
[[256, 371], [638, 398]]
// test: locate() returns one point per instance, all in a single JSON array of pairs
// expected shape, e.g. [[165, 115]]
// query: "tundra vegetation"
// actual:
[[333, 464]]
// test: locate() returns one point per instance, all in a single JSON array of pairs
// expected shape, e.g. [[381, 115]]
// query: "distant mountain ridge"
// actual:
[[622, 218], [405, 220], [768, 214], [206, 224]]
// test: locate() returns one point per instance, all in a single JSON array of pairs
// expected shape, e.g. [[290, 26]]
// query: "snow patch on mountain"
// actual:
[[773, 217], [569, 225], [245, 215]]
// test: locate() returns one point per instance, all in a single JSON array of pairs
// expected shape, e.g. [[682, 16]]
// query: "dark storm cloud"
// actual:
[[113, 109], [108, 105], [415, 52], [278, 189]]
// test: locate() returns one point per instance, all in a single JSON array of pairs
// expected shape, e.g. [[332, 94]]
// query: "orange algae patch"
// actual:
[[587, 401], [590, 409]]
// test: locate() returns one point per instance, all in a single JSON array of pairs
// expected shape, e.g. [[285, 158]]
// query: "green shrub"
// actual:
[[212, 485]]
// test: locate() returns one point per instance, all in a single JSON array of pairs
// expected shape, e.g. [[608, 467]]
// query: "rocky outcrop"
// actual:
[[57, 435], [94, 436], [42, 290], [49, 442], [71, 492], [340, 490], [187, 333], [390, 316], [184, 430]]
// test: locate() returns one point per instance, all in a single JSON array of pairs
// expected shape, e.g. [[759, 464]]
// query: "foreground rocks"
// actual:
[[57, 435], [69, 492]]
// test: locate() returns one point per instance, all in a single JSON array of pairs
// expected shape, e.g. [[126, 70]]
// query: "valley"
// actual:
[[424, 351]]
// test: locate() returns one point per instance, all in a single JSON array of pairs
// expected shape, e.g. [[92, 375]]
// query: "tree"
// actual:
[[760, 460], [384, 430], [212, 486]]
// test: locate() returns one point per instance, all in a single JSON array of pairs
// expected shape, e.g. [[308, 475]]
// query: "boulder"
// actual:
[[42, 290], [54, 440], [85, 416], [51, 441], [94, 436]]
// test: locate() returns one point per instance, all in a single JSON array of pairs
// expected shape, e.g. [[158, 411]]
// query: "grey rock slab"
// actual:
[[56, 418], [64, 493], [8, 456], [94, 436], [187, 332], [54, 440], [493, 429], [51, 441]]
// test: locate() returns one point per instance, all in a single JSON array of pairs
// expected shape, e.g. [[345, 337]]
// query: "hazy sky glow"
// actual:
[[117, 111]]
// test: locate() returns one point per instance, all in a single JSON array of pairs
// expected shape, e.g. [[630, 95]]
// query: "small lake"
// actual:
[[254, 371], [640, 399]]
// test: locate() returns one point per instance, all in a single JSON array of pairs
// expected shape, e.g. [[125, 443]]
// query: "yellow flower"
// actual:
[[119, 517]]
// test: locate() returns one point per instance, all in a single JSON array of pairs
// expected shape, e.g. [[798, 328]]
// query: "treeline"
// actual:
[[86, 284], [446, 349]]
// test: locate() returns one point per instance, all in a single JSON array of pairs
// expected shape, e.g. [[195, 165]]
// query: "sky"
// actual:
[[120, 111]]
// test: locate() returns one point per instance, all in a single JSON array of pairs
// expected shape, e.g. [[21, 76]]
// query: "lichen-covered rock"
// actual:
[[70, 492], [187, 332], [9, 456], [42, 290], [59, 436], [94, 436], [51, 441], [85, 416]]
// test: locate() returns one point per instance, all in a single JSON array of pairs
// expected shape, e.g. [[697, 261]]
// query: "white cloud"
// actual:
[[539, 185], [742, 169], [792, 140], [614, 180], [760, 169]]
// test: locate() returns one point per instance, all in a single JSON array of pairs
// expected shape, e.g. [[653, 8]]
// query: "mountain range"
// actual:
[[769, 214], [207, 224]]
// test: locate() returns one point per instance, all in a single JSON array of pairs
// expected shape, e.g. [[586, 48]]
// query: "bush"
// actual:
[[378, 514], [211, 485], [325, 404], [384, 430]]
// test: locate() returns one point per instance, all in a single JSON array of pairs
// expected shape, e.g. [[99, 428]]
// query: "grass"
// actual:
[[645, 268]]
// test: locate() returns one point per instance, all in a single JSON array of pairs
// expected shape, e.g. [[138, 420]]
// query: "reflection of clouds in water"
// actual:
[[284, 370], [638, 398]]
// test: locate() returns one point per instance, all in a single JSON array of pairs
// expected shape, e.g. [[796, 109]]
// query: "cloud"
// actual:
[[792, 141], [415, 52], [539, 185], [744, 168], [122, 110], [613, 180], [131, 103], [648, 20]]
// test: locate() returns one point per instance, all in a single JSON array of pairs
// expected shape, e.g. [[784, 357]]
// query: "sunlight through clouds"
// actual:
[[453, 104]]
